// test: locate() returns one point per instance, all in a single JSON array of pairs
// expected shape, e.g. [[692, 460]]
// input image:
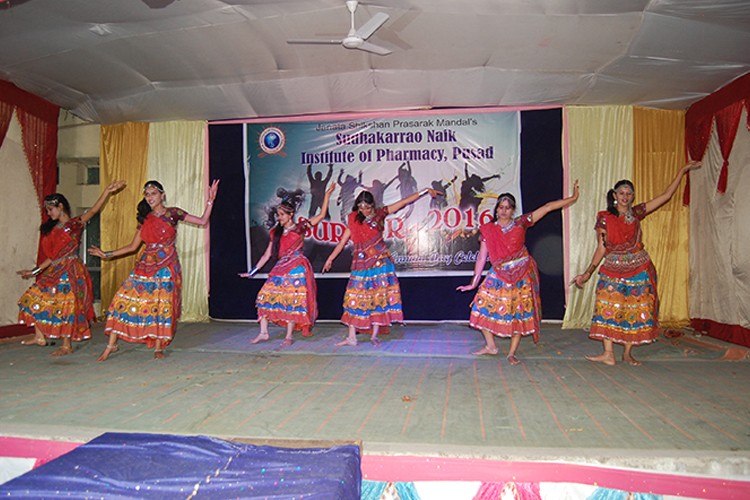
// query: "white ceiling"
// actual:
[[111, 61]]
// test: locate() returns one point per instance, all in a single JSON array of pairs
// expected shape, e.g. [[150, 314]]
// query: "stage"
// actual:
[[419, 402]]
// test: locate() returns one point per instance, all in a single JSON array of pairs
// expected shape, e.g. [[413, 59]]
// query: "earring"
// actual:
[[615, 202]]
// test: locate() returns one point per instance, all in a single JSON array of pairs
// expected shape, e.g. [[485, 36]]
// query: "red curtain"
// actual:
[[697, 138], [38, 120], [722, 105], [6, 113], [727, 121]]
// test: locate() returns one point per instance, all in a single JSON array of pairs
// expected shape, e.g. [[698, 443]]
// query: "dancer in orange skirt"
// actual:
[[145, 309], [61, 302], [288, 297], [373, 297], [507, 303], [627, 304]]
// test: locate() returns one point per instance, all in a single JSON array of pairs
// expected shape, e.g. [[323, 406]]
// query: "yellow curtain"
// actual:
[[123, 154], [176, 159], [659, 152], [600, 152]]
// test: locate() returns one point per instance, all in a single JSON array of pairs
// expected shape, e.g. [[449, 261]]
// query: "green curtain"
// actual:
[[600, 152], [176, 158]]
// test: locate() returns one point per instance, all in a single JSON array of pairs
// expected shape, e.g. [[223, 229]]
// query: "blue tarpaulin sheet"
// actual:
[[120, 465]]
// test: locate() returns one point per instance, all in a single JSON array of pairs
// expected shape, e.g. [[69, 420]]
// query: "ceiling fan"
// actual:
[[356, 38]]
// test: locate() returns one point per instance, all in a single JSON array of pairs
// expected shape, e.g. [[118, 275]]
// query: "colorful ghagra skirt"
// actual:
[[373, 297], [507, 307], [57, 311], [626, 309], [289, 297], [146, 308]]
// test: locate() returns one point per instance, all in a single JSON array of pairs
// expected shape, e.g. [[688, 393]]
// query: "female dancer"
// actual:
[[60, 303], [147, 305], [507, 303], [288, 297], [627, 304], [373, 297]]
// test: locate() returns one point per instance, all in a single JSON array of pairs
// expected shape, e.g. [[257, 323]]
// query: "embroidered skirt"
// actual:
[[61, 310], [289, 298], [146, 308], [373, 297], [507, 308], [626, 309]]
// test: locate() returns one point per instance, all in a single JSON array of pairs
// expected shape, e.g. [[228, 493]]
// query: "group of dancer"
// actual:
[[147, 306]]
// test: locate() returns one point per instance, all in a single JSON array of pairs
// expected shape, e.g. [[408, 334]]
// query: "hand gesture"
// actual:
[[575, 190], [692, 165], [465, 288], [580, 280], [212, 190], [115, 186], [97, 252], [327, 265], [25, 273]]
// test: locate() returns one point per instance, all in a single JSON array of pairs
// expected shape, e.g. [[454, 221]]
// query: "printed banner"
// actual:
[[471, 158]]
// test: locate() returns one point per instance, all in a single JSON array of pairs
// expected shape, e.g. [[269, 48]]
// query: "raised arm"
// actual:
[[395, 207], [203, 219], [111, 254], [478, 268], [111, 189], [660, 200], [599, 253], [336, 251], [540, 212], [324, 208]]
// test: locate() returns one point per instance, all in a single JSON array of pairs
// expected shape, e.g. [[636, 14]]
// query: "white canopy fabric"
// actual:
[[112, 61]]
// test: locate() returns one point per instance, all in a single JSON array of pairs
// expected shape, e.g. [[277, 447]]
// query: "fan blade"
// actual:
[[319, 41], [375, 22], [375, 49]]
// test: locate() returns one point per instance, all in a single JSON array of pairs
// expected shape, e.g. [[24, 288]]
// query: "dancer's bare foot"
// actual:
[[287, 342], [631, 361], [40, 341], [485, 350], [607, 357], [513, 360], [107, 351], [261, 337], [347, 341], [159, 354], [375, 342], [62, 351]]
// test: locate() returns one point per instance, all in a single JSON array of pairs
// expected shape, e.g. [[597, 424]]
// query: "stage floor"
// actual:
[[686, 410]]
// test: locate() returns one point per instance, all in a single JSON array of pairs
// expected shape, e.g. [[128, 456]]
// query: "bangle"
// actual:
[[36, 271], [108, 255], [424, 191], [590, 270], [253, 271], [209, 203]]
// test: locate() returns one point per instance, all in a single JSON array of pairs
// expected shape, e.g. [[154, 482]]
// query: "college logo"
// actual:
[[272, 140]]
